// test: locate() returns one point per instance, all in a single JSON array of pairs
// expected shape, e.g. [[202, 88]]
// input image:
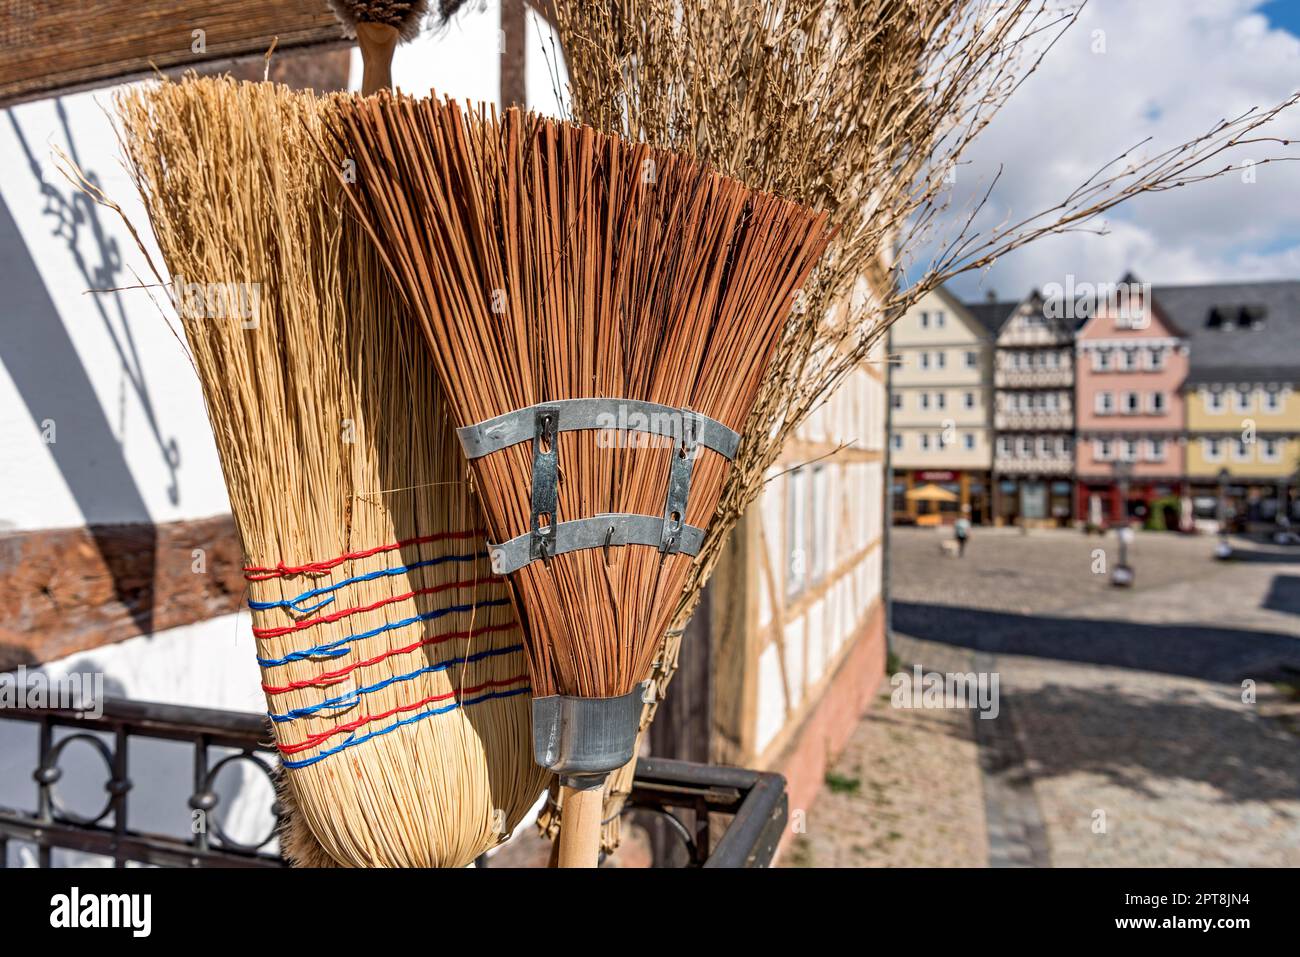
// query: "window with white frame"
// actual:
[[1158, 404], [925, 320], [820, 546], [897, 440], [1101, 450], [1214, 401], [1212, 449], [1129, 449], [1065, 445], [1155, 450], [1241, 450], [925, 360], [1044, 445], [1242, 399], [1101, 360], [1270, 450], [925, 442], [796, 531], [940, 400], [925, 400], [968, 441], [938, 319], [1104, 403], [939, 360], [1004, 445], [896, 400], [1128, 360], [968, 400], [1156, 358], [1273, 400], [1026, 446], [940, 442], [1132, 403], [972, 360]]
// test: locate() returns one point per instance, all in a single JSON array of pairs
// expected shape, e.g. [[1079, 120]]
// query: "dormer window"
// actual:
[[1227, 317]]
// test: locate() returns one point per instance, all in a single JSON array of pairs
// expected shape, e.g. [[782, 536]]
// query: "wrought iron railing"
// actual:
[[695, 800], [107, 834]]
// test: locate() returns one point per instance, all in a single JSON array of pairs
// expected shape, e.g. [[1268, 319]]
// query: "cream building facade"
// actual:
[[941, 416]]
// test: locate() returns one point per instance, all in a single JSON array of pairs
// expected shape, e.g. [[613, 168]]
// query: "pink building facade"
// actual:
[[1131, 360]]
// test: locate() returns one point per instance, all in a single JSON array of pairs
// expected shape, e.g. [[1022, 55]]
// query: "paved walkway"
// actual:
[[1122, 736]]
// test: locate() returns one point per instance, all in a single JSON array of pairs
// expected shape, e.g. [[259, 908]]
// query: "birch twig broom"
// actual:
[[601, 315], [392, 664]]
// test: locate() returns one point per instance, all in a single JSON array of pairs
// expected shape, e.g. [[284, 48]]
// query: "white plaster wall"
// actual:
[[131, 439], [462, 60]]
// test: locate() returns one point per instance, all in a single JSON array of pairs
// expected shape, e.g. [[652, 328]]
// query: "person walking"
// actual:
[[961, 528]]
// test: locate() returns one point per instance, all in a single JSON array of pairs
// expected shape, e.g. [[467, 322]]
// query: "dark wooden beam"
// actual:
[[72, 589], [49, 47], [514, 53]]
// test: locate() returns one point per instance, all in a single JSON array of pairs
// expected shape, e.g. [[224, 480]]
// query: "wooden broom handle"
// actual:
[[579, 838], [377, 42]]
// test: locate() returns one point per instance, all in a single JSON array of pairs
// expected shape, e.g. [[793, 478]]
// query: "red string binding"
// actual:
[[255, 573], [334, 677]]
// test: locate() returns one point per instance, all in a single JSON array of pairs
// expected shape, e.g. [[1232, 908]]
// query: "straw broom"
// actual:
[[389, 652], [545, 263]]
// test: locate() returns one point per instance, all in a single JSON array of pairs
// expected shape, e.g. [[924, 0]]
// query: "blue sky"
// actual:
[[1167, 69], [1284, 14]]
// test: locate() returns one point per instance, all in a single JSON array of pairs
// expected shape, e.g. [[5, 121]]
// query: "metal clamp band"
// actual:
[[600, 531], [542, 424], [679, 488], [546, 467], [630, 415]]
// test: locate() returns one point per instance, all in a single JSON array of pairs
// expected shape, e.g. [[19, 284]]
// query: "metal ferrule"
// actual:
[[583, 739]]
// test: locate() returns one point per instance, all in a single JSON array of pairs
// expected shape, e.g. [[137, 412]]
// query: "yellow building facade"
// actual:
[[1251, 430], [1243, 441]]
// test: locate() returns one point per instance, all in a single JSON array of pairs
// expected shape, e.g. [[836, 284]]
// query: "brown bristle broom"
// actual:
[[390, 654], [600, 314]]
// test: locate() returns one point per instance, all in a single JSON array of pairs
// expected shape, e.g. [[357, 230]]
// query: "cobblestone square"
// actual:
[[1122, 737]]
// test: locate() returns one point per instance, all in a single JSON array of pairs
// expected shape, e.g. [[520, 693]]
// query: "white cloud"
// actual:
[[1171, 69]]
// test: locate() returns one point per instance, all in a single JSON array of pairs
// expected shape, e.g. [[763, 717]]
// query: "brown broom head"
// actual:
[[391, 656], [547, 262]]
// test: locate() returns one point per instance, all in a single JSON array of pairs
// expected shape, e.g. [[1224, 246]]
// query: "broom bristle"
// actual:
[[345, 480], [402, 15], [546, 261]]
